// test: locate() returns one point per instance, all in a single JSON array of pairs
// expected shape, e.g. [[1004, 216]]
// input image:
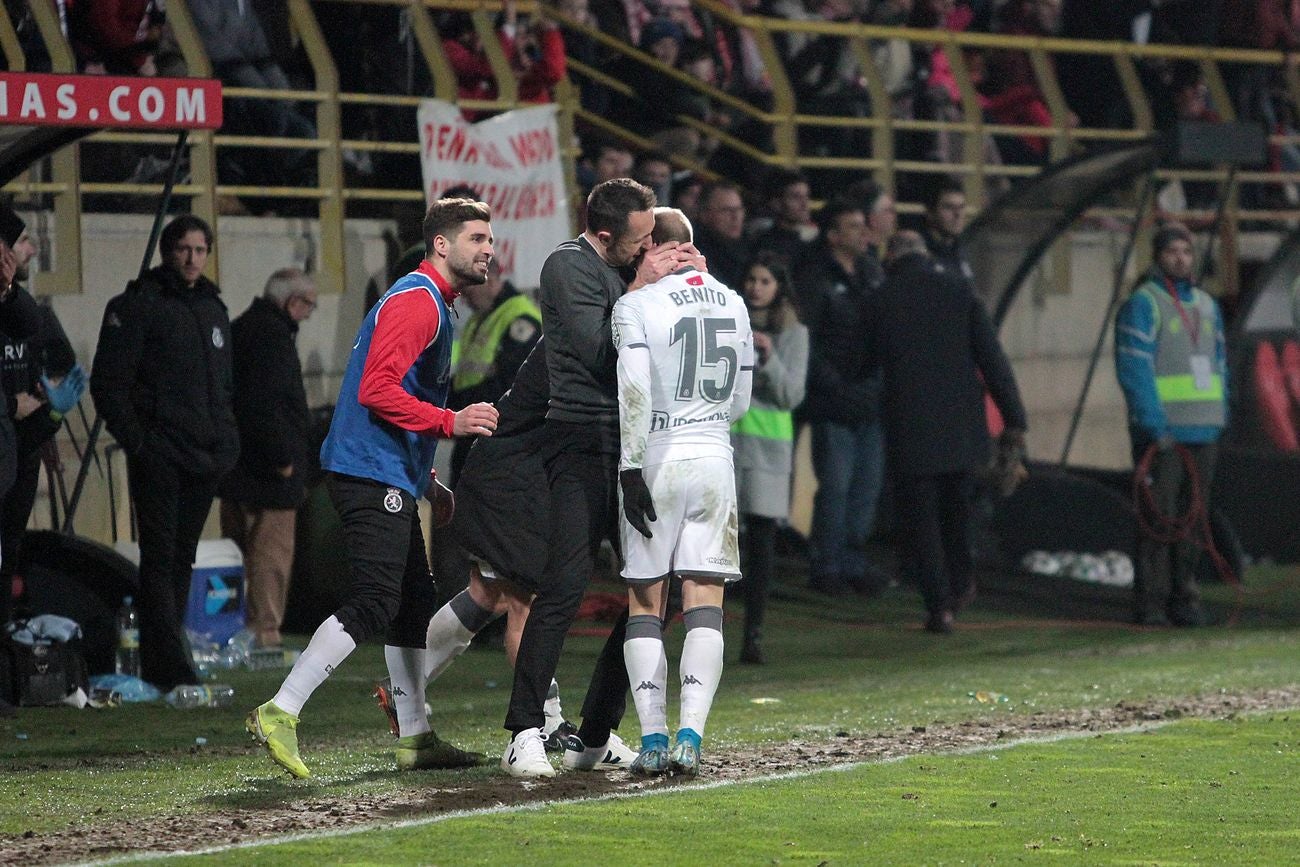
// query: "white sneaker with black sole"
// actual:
[[613, 755], [526, 756]]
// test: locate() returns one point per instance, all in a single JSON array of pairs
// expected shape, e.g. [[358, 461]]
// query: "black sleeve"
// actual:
[[56, 354], [117, 362], [993, 364], [20, 315], [263, 381]]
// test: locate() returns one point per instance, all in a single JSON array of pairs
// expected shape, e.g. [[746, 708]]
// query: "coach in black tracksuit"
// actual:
[[162, 383], [935, 343], [580, 282]]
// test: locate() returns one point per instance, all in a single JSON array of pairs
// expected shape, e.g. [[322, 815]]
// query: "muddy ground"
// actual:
[[166, 834]]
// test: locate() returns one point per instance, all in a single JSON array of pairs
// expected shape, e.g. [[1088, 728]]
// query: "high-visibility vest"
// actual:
[[768, 424], [476, 349], [1184, 404]]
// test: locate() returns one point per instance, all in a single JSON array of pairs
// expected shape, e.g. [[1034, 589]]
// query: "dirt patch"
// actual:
[[184, 833]]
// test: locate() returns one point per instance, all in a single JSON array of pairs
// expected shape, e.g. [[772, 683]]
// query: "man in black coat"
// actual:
[[162, 383], [261, 495], [42, 380], [934, 342]]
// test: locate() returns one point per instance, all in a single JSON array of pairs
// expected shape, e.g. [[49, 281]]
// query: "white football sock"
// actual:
[[647, 672], [329, 646], [406, 667], [551, 707], [451, 629], [701, 666]]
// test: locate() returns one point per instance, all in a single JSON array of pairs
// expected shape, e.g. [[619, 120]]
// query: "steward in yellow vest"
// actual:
[[1171, 362]]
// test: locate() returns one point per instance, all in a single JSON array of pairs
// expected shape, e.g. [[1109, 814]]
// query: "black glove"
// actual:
[[638, 506], [1009, 466]]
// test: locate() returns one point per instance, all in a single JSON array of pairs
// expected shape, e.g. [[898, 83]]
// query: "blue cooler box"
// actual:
[[216, 604]]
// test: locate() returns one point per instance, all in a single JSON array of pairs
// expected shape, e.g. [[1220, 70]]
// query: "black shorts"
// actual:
[[392, 590]]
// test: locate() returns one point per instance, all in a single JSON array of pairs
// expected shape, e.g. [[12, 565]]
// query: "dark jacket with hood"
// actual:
[[833, 303], [19, 317], [162, 373], [270, 406]]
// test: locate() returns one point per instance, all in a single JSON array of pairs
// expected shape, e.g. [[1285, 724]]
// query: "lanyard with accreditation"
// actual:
[[1202, 368]]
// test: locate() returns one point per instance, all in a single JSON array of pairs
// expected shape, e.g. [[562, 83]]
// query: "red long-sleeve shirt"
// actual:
[[407, 324]]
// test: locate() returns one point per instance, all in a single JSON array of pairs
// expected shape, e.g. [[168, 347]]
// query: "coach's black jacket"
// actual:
[[270, 408], [938, 350], [502, 502], [162, 378]]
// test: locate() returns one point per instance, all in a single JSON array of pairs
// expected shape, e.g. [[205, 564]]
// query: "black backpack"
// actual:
[[40, 674]]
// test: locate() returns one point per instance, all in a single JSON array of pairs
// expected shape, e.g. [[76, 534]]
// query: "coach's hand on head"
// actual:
[[638, 505], [658, 262], [475, 420]]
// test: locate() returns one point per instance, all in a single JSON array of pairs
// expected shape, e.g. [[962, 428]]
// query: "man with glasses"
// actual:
[[260, 497], [162, 384], [720, 234]]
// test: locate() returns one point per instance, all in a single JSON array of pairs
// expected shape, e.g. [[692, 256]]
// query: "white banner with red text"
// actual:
[[513, 161]]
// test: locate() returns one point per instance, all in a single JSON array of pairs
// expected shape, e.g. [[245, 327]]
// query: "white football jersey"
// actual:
[[685, 368]]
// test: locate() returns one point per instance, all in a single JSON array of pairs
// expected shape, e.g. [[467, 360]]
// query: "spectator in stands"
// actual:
[[719, 234], [1262, 24], [117, 37], [687, 188], [534, 48], [604, 160], [837, 280], [763, 438], [791, 228], [42, 381], [1171, 362], [261, 495], [661, 97], [162, 384], [237, 46], [945, 217], [655, 170], [937, 349], [1010, 92], [596, 98]]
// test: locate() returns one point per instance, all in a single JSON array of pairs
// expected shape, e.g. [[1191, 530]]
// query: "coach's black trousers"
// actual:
[[582, 474], [934, 527], [171, 507]]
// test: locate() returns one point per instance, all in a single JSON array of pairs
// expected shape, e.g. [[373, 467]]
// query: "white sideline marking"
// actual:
[[535, 806]]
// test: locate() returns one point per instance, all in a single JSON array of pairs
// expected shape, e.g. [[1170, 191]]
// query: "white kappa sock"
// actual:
[[329, 646], [647, 672], [701, 666], [551, 707], [451, 629], [406, 667]]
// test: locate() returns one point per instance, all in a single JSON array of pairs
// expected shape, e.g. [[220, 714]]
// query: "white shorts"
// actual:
[[695, 526]]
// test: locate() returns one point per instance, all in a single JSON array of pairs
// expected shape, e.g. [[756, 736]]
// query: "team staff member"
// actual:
[[493, 344], [261, 495], [580, 283], [937, 349], [41, 374], [1172, 366], [162, 384], [380, 449]]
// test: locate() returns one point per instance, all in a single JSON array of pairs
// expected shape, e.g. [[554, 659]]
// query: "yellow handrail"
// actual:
[[780, 116]]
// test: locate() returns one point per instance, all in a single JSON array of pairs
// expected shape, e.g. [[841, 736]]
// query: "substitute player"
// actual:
[[685, 368], [379, 452]]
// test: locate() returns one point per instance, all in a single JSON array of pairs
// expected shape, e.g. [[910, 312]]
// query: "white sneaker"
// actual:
[[526, 756], [613, 755]]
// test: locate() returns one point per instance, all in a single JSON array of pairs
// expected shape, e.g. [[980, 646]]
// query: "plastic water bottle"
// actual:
[[128, 640], [203, 695]]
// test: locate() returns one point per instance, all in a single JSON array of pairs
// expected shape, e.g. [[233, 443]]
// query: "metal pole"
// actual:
[[1218, 220], [1117, 287]]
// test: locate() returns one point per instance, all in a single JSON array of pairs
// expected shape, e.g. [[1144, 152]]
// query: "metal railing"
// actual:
[[59, 185]]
